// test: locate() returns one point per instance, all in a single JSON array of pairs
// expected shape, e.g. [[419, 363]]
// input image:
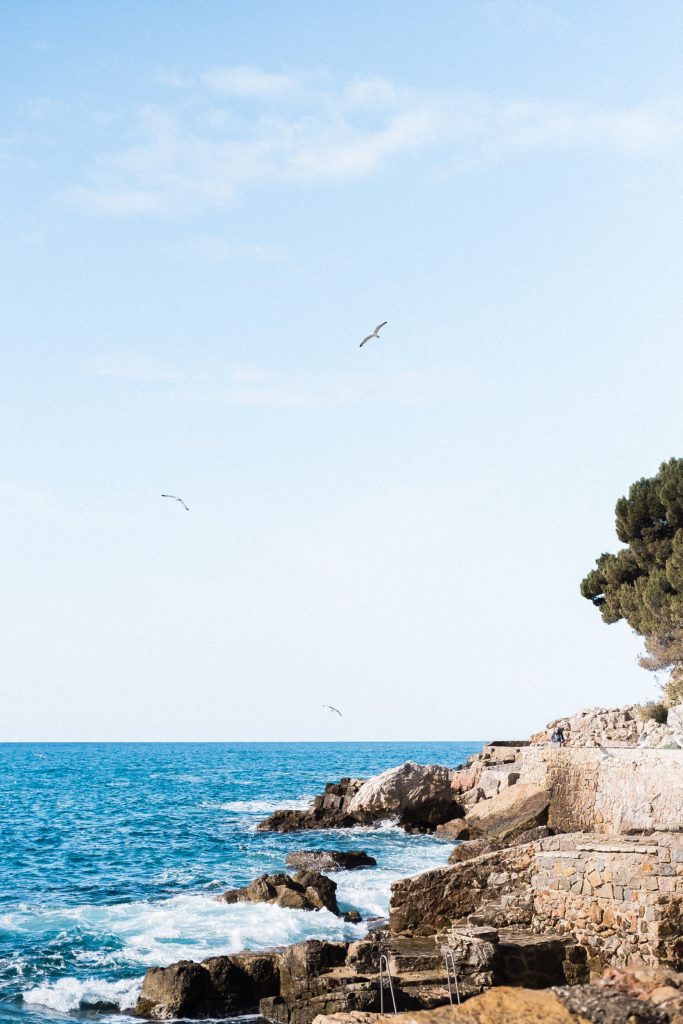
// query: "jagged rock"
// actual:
[[468, 850], [486, 844], [510, 813], [418, 796], [330, 860], [466, 777], [218, 987], [613, 727], [352, 917], [504, 1005], [658, 985], [300, 821], [306, 890], [329, 810], [434, 901], [598, 1004]]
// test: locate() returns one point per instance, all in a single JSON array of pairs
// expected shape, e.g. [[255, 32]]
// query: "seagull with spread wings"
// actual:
[[333, 709], [375, 333], [175, 498]]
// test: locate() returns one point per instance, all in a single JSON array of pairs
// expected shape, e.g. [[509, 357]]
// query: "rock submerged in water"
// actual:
[[330, 860], [306, 890]]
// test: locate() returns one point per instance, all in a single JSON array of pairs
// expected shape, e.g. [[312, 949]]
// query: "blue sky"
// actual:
[[206, 207]]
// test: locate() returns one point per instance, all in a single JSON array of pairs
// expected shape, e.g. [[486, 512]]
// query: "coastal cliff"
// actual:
[[568, 861]]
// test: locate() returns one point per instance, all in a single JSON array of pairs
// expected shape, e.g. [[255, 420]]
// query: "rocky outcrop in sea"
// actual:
[[566, 862]]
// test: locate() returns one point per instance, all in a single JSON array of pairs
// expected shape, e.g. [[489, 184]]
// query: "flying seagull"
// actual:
[[603, 750], [333, 709], [176, 499], [375, 333]]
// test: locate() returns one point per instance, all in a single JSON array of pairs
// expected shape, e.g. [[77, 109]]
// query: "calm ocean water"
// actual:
[[112, 854]]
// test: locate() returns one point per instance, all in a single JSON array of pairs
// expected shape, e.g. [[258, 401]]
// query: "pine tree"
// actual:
[[643, 582]]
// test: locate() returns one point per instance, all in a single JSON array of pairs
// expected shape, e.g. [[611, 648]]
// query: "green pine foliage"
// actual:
[[643, 582]]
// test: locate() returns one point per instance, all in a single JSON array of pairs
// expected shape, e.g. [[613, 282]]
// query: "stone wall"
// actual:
[[623, 899], [622, 790]]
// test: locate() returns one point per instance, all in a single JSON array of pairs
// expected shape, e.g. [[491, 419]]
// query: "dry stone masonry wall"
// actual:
[[622, 898]]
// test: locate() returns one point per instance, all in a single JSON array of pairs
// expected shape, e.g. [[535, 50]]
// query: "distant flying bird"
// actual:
[[375, 333], [604, 750], [333, 709], [176, 499]]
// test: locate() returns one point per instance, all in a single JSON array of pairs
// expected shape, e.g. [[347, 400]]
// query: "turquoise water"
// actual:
[[112, 855]]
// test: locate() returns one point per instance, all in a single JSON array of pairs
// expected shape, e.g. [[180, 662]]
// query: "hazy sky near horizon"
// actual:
[[206, 206]]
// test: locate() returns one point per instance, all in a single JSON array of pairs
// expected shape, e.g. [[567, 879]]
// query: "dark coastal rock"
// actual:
[[470, 849], [330, 860], [352, 917], [300, 821], [306, 890], [476, 847], [329, 810], [218, 987], [512, 812], [494, 886]]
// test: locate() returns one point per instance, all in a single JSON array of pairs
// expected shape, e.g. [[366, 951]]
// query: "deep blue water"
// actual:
[[112, 854]]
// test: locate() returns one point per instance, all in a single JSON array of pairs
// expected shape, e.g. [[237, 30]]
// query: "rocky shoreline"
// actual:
[[565, 877]]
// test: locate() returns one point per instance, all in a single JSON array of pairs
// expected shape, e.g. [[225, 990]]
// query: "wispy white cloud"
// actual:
[[254, 386], [205, 146]]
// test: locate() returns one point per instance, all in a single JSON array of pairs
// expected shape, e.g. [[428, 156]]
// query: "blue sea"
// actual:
[[111, 856]]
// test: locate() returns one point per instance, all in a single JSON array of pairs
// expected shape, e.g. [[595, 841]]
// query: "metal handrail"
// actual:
[[449, 961], [383, 960]]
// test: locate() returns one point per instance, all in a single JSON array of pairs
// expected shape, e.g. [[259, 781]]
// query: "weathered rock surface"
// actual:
[[456, 828], [614, 727], [418, 796], [486, 844], [330, 810], [330, 860], [470, 849], [585, 1004], [317, 977], [217, 987], [513, 811], [431, 903], [306, 890], [658, 985]]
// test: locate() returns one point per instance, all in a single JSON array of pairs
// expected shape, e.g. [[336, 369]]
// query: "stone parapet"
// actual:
[[614, 790]]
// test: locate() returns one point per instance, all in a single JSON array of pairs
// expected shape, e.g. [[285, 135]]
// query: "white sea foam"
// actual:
[[190, 926], [129, 937], [68, 994], [262, 806]]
